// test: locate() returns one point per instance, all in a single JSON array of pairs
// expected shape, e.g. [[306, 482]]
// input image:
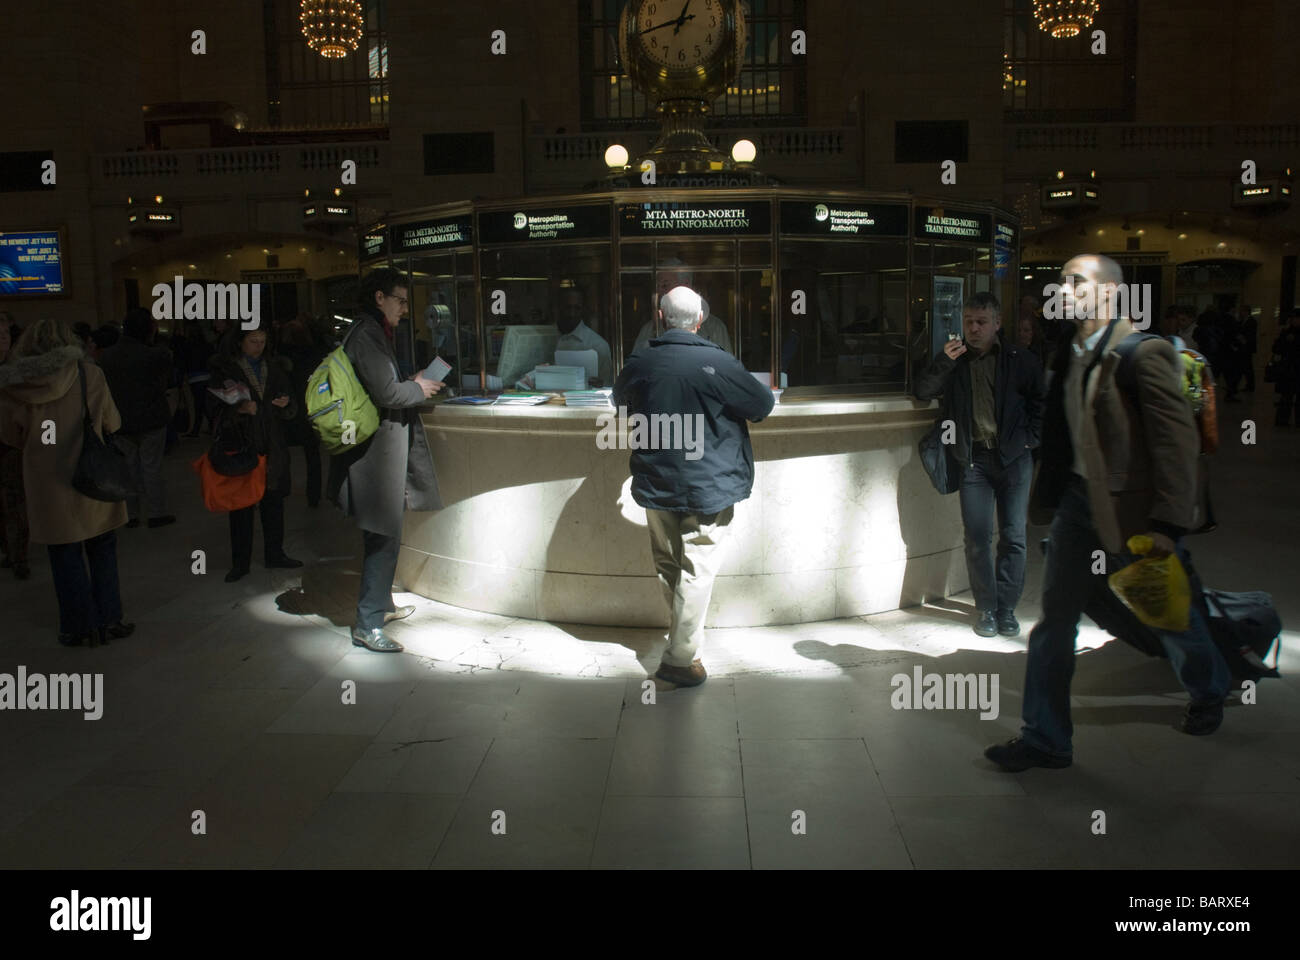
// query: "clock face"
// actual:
[[680, 34]]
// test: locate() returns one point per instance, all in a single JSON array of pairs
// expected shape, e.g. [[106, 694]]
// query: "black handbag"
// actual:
[[102, 472], [937, 458], [1271, 370], [232, 453]]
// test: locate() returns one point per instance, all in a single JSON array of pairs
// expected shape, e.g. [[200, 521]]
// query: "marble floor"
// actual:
[[495, 742]]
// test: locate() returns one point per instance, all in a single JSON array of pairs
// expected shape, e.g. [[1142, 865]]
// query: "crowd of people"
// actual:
[[1022, 397], [146, 391]]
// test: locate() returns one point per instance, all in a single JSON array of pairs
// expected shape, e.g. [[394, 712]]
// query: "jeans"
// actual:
[[144, 459], [1067, 584], [986, 485], [378, 568], [86, 603], [687, 550], [241, 531]]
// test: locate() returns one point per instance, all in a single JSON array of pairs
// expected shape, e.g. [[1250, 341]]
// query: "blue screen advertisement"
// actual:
[[31, 263]]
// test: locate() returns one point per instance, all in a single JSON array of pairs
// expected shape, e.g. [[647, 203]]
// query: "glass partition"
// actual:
[[540, 300], [844, 309], [442, 323], [848, 299]]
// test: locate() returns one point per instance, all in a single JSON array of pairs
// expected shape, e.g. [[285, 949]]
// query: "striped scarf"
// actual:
[[258, 382]]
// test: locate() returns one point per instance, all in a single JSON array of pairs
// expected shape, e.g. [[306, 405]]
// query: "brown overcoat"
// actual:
[[40, 400], [1142, 459]]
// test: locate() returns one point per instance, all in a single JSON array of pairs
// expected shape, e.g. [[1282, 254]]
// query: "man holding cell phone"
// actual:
[[993, 391]]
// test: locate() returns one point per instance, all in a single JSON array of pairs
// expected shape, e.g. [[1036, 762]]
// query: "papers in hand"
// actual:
[[437, 369], [231, 392]]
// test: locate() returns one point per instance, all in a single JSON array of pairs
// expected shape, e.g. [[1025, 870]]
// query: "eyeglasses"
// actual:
[[402, 300]]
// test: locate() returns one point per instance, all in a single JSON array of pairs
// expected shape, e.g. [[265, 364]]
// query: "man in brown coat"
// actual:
[[1112, 469]]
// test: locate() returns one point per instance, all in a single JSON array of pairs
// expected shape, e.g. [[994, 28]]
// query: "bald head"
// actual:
[[1093, 267], [681, 308], [1091, 277]]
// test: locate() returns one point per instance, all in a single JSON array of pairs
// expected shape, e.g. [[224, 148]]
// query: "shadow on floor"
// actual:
[[328, 591]]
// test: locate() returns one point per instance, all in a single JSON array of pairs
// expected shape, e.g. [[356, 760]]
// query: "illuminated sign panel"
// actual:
[[427, 234], [31, 263], [940, 223], [556, 223], [843, 220]]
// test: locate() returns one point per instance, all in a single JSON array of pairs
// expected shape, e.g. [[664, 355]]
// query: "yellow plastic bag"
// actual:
[[1156, 590]]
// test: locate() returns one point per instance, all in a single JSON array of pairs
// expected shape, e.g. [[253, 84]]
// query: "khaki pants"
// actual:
[[687, 549]]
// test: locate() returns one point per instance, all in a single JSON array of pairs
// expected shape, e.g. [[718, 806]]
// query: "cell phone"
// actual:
[[954, 336]]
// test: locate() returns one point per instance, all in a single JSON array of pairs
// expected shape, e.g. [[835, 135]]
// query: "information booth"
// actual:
[[835, 298]]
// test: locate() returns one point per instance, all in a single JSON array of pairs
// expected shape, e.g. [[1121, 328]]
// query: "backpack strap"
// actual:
[[1126, 372]]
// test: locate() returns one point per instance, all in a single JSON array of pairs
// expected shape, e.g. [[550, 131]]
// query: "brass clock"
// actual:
[[682, 49]]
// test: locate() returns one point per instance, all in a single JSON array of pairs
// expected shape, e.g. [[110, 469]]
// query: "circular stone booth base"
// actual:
[[539, 522]]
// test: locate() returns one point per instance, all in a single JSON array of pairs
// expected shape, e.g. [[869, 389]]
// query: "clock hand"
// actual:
[[666, 23], [681, 17]]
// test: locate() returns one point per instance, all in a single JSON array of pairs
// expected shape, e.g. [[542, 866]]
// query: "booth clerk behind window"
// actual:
[[575, 334], [713, 329]]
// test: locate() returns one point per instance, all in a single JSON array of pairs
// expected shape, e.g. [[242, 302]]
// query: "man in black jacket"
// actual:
[[393, 469], [693, 467], [993, 393], [139, 374]]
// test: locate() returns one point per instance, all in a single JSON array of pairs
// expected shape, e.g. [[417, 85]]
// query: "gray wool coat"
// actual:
[[393, 470]]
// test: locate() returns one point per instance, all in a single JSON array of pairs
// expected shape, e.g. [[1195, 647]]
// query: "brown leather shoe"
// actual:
[[691, 676]]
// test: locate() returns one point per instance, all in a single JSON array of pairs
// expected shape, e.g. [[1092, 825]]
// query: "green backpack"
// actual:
[[338, 407]]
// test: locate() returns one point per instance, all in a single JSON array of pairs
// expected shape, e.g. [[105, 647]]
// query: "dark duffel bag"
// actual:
[[1244, 626]]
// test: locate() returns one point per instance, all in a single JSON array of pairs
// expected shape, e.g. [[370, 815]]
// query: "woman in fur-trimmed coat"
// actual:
[[40, 399]]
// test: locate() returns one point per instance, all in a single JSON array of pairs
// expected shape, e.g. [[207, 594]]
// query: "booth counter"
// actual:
[[539, 521]]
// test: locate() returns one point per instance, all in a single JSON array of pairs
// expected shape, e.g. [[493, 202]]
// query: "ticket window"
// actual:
[[844, 315], [717, 288], [559, 293], [441, 316]]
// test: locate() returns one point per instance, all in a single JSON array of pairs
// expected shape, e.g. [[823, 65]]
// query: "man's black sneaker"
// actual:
[[1008, 625], [1202, 718], [987, 624], [1016, 755]]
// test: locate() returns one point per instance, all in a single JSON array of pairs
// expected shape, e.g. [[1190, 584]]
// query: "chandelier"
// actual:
[[332, 27], [1065, 18]]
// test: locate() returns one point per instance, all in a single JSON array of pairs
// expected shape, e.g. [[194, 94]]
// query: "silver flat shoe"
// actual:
[[401, 613], [375, 640]]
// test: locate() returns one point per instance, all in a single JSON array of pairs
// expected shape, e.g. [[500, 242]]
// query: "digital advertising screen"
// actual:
[[31, 263]]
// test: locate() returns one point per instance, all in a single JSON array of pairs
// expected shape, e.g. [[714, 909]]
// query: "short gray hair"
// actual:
[[984, 301], [681, 307]]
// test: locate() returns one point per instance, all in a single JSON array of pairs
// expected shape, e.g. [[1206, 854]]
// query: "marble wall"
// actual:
[[540, 523]]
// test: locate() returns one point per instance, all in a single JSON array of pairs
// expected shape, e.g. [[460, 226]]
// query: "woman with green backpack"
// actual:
[[387, 468]]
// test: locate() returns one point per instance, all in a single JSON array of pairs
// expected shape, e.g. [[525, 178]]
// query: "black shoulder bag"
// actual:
[[101, 472], [233, 453]]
